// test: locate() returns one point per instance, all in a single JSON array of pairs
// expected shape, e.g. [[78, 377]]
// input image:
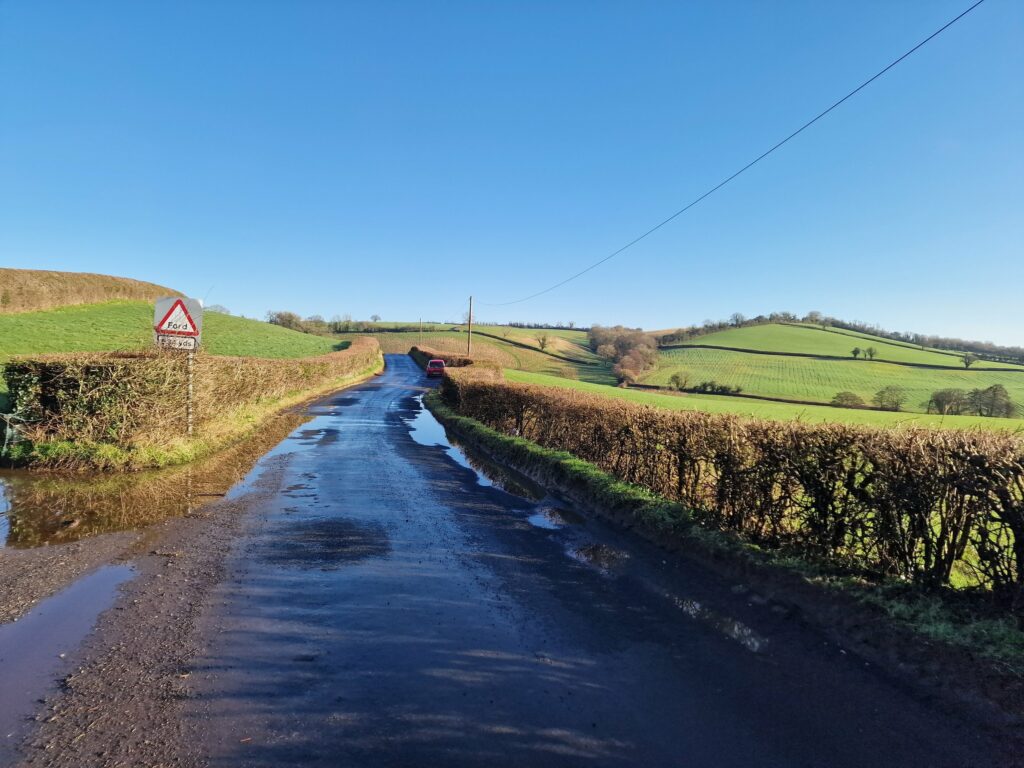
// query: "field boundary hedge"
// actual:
[[129, 408], [967, 666], [932, 508]]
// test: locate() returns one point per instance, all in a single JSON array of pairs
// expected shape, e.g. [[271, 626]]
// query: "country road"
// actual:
[[384, 603]]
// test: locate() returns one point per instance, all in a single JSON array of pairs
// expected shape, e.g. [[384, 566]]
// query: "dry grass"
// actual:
[[25, 290]]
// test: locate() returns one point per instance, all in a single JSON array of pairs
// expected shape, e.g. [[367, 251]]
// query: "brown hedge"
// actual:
[[133, 399], [931, 507], [451, 359]]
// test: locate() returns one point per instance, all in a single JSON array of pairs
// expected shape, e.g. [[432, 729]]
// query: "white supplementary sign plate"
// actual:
[[177, 342], [178, 322]]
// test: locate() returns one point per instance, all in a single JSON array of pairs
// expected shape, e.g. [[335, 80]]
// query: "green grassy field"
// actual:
[[812, 340], [770, 410], [125, 325], [581, 363], [818, 380]]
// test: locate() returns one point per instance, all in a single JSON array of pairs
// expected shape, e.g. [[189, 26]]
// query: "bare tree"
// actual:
[[969, 359], [870, 352], [543, 340]]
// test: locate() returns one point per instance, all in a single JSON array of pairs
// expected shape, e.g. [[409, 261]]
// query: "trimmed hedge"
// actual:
[[133, 400], [422, 355], [931, 507]]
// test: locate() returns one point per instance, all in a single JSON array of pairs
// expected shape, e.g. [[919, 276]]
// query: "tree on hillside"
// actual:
[[679, 381], [286, 320], [870, 353], [543, 340], [737, 319], [947, 402], [848, 400], [969, 359], [855, 352], [375, 318], [994, 402], [220, 308], [891, 398]]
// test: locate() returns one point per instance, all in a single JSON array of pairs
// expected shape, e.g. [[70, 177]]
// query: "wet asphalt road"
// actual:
[[388, 607]]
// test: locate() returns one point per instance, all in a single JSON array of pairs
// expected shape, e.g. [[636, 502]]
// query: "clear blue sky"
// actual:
[[394, 157]]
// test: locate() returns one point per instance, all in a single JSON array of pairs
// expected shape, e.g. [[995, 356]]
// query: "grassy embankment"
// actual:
[[30, 290], [126, 325]]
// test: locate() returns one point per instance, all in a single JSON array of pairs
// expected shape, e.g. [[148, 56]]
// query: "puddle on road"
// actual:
[[555, 518], [38, 509], [427, 430], [730, 627], [601, 556], [31, 648]]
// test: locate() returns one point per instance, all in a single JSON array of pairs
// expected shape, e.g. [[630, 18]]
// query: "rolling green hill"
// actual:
[[770, 369], [567, 355], [813, 340], [123, 325], [763, 409]]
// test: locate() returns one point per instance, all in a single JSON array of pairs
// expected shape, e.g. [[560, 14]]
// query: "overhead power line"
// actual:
[[742, 170]]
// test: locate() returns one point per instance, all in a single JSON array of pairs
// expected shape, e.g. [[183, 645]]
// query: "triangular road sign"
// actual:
[[177, 321]]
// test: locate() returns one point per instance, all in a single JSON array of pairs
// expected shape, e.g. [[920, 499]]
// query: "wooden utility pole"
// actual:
[[421, 332], [469, 336]]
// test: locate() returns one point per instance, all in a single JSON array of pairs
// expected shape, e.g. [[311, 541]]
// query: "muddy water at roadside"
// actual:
[[32, 649], [40, 509]]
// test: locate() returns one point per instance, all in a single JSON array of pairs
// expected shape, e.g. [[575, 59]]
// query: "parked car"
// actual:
[[435, 367]]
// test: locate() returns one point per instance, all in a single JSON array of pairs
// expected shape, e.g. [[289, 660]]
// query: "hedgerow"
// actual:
[[70, 407], [935, 508]]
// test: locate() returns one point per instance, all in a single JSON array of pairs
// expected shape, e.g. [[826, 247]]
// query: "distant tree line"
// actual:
[[569, 326], [316, 324], [993, 402]]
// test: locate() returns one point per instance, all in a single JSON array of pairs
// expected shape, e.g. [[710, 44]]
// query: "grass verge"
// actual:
[[951, 642]]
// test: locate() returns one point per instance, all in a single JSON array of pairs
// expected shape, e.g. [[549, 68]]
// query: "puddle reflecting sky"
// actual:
[[39, 509], [38, 639], [427, 430]]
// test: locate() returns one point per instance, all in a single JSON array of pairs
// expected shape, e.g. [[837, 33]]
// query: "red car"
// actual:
[[435, 367]]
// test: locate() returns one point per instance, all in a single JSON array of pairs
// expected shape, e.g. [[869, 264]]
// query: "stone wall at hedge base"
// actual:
[[936, 508], [139, 398]]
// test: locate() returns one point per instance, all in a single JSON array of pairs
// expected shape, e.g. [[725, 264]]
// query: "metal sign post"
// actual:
[[178, 324]]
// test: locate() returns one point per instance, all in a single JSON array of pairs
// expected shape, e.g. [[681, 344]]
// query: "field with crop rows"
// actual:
[[813, 340], [491, 344], [763, 409]]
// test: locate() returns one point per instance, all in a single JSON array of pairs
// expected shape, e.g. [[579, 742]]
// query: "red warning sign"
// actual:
[[177, 321]]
